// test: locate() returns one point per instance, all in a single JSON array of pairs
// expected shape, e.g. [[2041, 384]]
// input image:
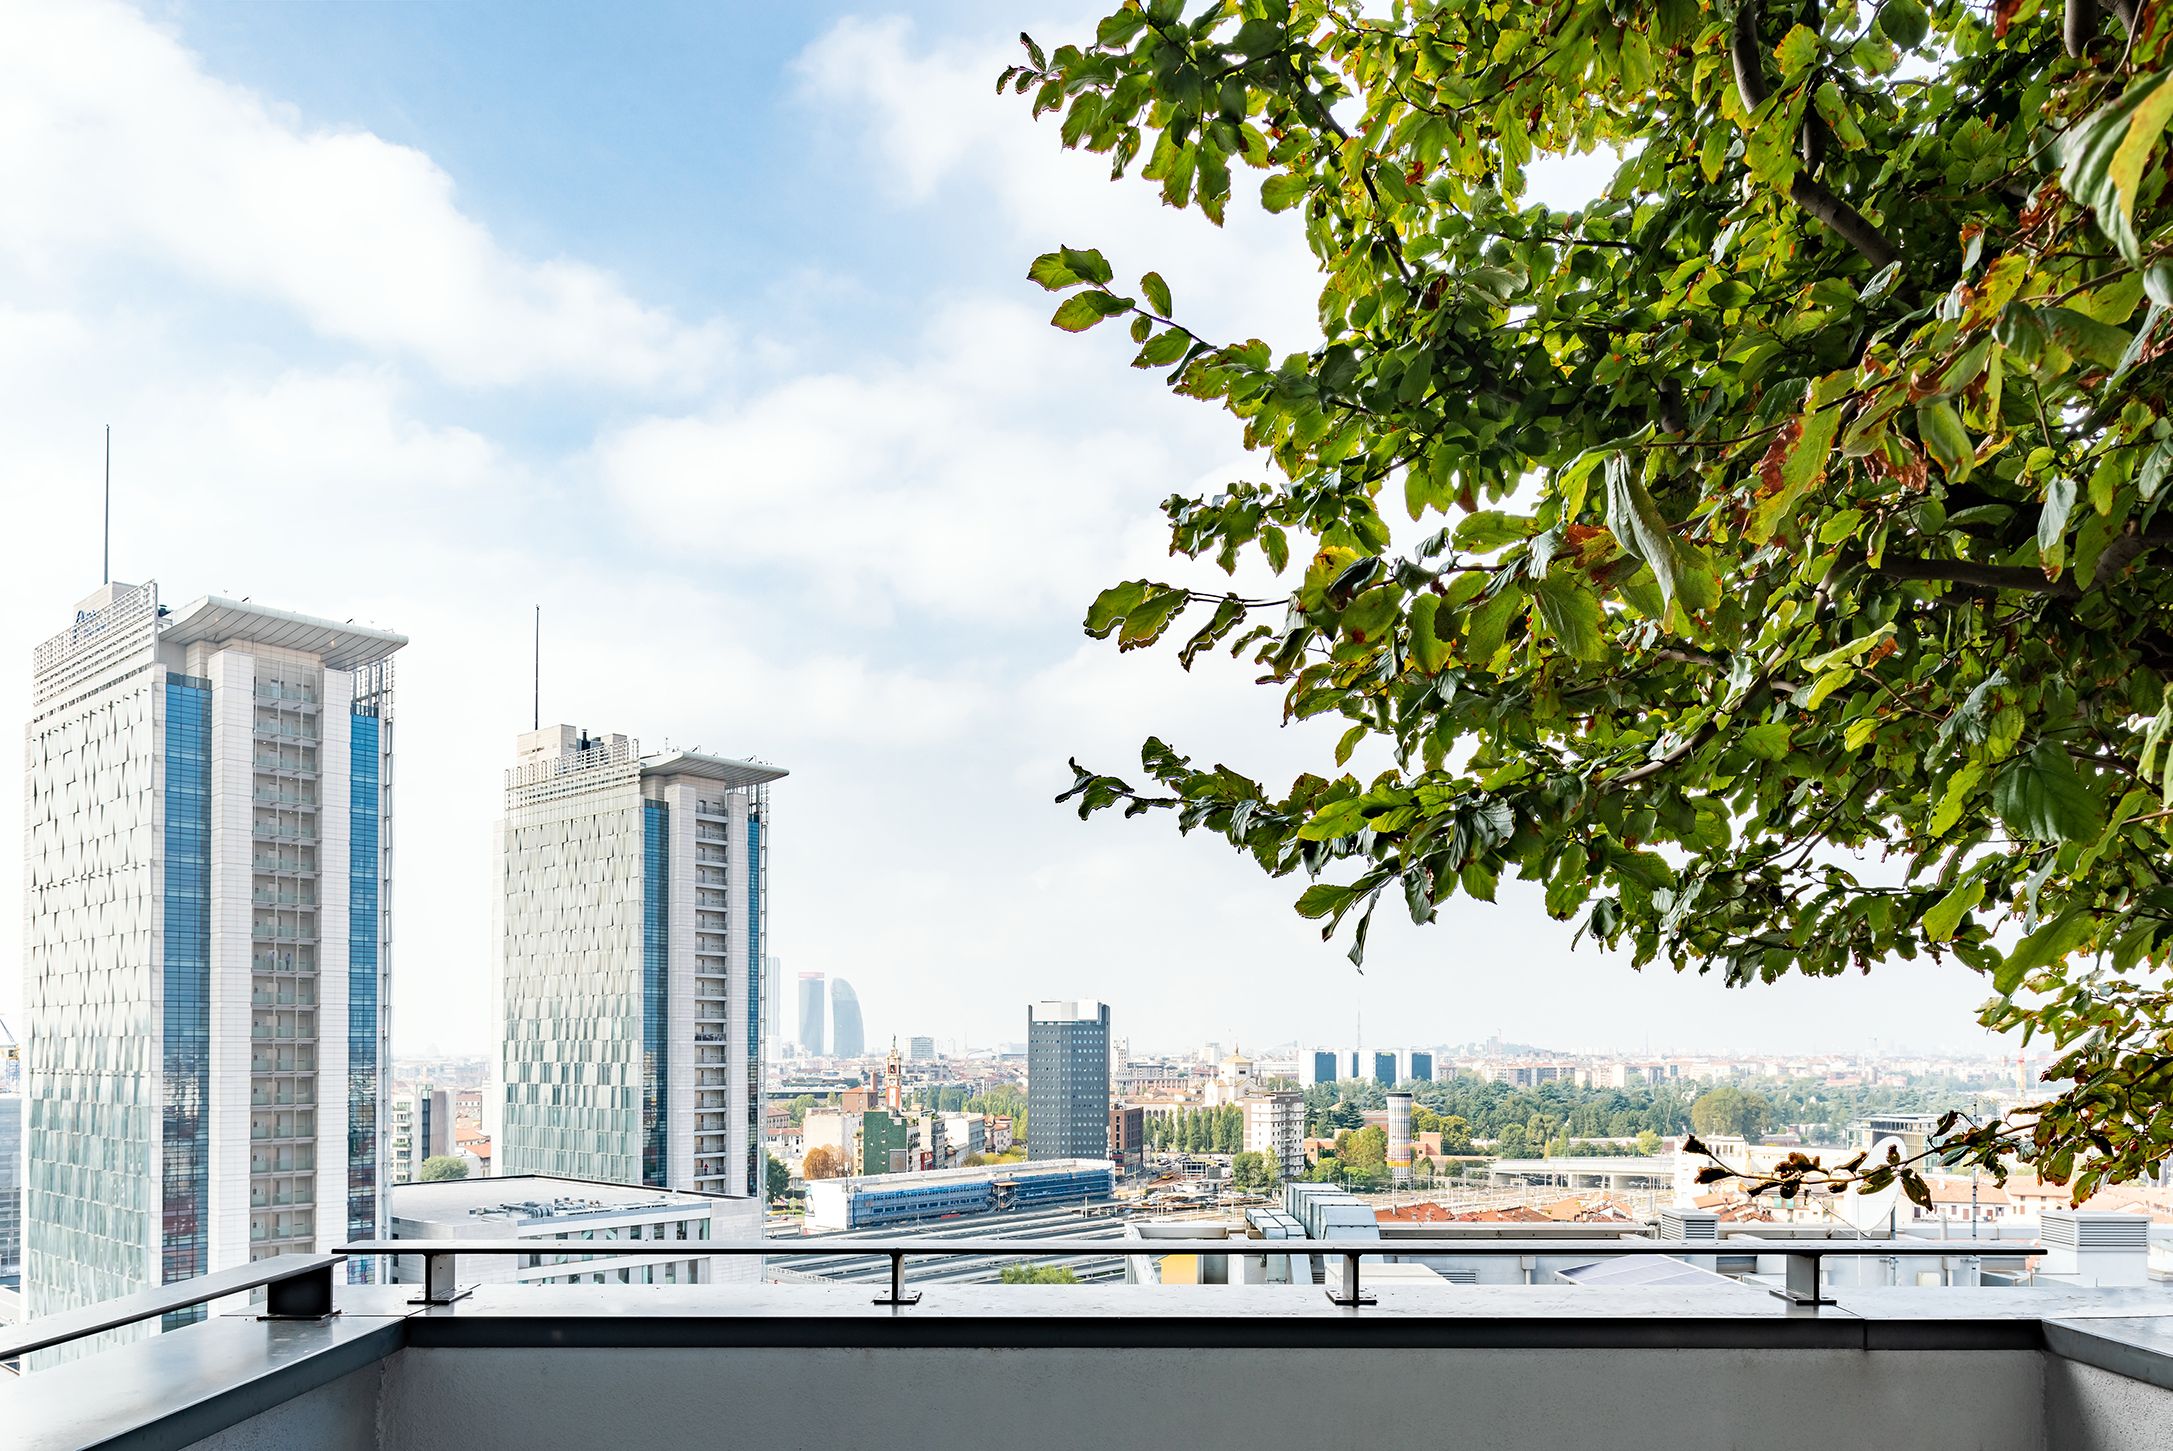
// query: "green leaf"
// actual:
[[1081, 310], [1157, 292], [1488, 625], [1429, 650], [1793, 466], [2102, 158], [2052, 520], [1636, 522], [1796, 51], [1053, 272], [2041, 798], [1939, 424], [1768, 741], [1284, 190], [1490, 529], [2049, 944], [1571, 609], [1946, 914]]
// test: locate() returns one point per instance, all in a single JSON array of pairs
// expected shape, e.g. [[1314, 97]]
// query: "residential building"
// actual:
[[811, 1001], [207, 863], [921, 1050], [1067, 1080], [965, 1134], [635, 907], [847, 1037], [422, 1128], [1275, 1124], [1127, 1136], [581, 1215]]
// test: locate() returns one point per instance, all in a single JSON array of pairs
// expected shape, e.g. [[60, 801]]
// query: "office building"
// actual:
[[1320, 1067], [921, 1050], [207, 866], [587, 1218], [1384, 1068], [773, 1004], [635, 895], [1275, 1124], [422, 1128], [1422, 1066], [811, 1001], [11, 1192], [1067, 1080], [847, 1038]]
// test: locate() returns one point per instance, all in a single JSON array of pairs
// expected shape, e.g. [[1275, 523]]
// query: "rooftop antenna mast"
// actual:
[[105, 555], [538, 704]]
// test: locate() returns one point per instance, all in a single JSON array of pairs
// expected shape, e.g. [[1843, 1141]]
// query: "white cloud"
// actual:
[[115, 145]]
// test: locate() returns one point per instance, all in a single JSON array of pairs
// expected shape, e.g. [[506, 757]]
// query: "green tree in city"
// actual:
[[1648, 1142], [1730, 1111], [776, 1178], [440, 1167], [1250, 1172], [1511, 1143], [1763, 558], [1038, 1275]]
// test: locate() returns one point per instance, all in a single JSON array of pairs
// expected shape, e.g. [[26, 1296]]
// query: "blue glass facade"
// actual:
[[186, 970], [365, 867], [755, 875], [655, 991]]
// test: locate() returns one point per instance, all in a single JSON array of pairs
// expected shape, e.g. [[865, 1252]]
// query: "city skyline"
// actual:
[[618, 410]]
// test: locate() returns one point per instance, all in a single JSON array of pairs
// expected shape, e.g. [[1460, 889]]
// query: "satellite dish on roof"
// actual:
[[1871, 1213]]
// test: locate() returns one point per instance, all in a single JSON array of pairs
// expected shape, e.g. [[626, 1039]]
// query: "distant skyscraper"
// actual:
[[847, 1038], [207, 861], [1320, 1067], [773, 1003], [635, 907], [921, 1050], [811, 996], [11, 1164], [1422, 1066], [1384, 1068], [1067, 1080]]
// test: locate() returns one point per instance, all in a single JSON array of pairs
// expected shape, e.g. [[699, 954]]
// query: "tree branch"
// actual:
[[2078, 25], [2009, 577], [1746, 50]]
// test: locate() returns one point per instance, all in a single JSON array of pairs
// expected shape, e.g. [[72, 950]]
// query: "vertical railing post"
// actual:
[[438, 1284], [897, 1295], [1803, 1284], [307, 1296], [1351, 1297]]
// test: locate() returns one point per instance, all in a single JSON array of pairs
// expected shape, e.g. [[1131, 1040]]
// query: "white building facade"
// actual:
[[633, 907], [207, 864], [1275, 1124]]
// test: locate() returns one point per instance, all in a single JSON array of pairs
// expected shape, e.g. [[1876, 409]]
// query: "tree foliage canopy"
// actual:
[[1764, 557], [440, 1167]]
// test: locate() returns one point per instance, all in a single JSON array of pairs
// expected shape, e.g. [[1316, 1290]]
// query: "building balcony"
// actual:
[[1227, 1367]]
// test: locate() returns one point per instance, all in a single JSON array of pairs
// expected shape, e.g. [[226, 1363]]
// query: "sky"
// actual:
[[705, 329]]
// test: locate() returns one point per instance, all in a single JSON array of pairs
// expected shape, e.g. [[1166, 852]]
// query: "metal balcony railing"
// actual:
[[1802, 1283]]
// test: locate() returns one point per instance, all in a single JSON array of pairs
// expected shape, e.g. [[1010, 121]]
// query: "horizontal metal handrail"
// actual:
[[1802, 1256], [298, 1287]]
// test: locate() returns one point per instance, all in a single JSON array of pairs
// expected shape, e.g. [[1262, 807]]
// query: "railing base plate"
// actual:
[[895, 1300], [1349, 1302], [460, 1294], [326, 1316]]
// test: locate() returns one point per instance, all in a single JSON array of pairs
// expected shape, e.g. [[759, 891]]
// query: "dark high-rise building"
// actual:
[[811, 1013], [847, 1038], [1384, 1068], [1422, 1066], [1067, 1080], [1322, 1068]]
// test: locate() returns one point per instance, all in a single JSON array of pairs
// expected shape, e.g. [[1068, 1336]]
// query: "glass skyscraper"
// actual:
[[811, 1000], [633, 917], [207, 870], [848, 1038]]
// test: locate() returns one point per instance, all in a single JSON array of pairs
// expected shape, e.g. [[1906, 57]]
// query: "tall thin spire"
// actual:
[[539, 671], [105, 553]]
